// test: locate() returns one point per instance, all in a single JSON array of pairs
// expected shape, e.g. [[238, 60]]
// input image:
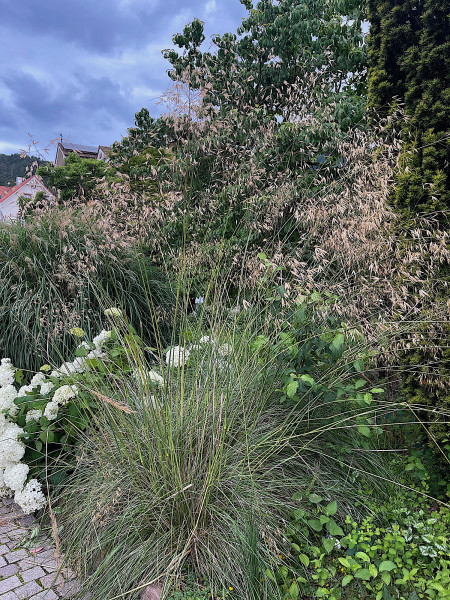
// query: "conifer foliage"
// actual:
[[409, 46], [408, 61]]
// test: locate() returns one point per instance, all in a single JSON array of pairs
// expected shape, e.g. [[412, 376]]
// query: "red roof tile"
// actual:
[[19, 185]]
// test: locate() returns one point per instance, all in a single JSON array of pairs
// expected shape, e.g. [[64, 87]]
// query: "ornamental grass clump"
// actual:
[[202, 466], [54, 271]]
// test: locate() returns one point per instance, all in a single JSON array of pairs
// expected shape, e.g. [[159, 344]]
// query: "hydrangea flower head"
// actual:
[[8, 394], [113, 312], [177, 356], [77, 332], [7, 372], [101, 338], [15, 475], [65, 393], [33, 415], [31, 497]]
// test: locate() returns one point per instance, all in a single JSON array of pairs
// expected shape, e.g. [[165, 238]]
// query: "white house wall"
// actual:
[[9, 208]]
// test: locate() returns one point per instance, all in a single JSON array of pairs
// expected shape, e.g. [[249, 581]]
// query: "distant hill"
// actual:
[[12, 166]]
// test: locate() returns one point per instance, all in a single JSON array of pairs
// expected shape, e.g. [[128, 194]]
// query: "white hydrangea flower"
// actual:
[[68, 368], [64, 393], [15, 475], [46, 387], [7, 372], [11, 449], [113, 312], [156, 377], [101, 338], [225, 350], [8, 394], [80, 364], [31, 497], [33, 415], [84, 345], [177, 356], [37, 379], [23, 390], [96, 353], [5, 492], [51, 411], [55, 374], [205, 339]]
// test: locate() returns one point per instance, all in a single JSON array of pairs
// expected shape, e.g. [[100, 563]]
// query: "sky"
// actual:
[[83, 68]]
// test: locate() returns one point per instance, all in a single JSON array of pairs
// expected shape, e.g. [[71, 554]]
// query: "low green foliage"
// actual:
[[398, 550]]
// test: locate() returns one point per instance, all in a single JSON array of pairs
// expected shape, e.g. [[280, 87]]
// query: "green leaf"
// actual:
[[360, 383], [363, 574], [307, 379], [368, 399], [315, 524], [293, 591], [347, 580], [344, 562], [314, 498], [292, 388], [331, 509], [328, 544], [373, 570], [362, 556], [337, 342], [358, 365], [304, 559], [334, 528], [385, 576], [386, 565], [270, 575], [363, 430], [377, 391]]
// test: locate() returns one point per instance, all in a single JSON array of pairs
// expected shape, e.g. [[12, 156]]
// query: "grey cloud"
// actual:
[[55, 51]]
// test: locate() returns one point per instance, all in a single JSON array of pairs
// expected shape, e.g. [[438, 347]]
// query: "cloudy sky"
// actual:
[[84, 67]]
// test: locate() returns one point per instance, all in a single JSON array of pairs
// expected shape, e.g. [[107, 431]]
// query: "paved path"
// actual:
[[24, 574]]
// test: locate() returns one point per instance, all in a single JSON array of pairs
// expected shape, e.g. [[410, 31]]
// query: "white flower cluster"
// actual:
[[13, 473], [113, 312], [177, 356], [61, 397], [7, 372], [152, 376], [80, 364]]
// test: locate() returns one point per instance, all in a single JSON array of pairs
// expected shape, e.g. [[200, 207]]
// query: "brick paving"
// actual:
[[24, 574]]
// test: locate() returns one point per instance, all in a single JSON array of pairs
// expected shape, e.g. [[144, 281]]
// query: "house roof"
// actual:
[[79, 148], [19, 185], [4, 189]]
